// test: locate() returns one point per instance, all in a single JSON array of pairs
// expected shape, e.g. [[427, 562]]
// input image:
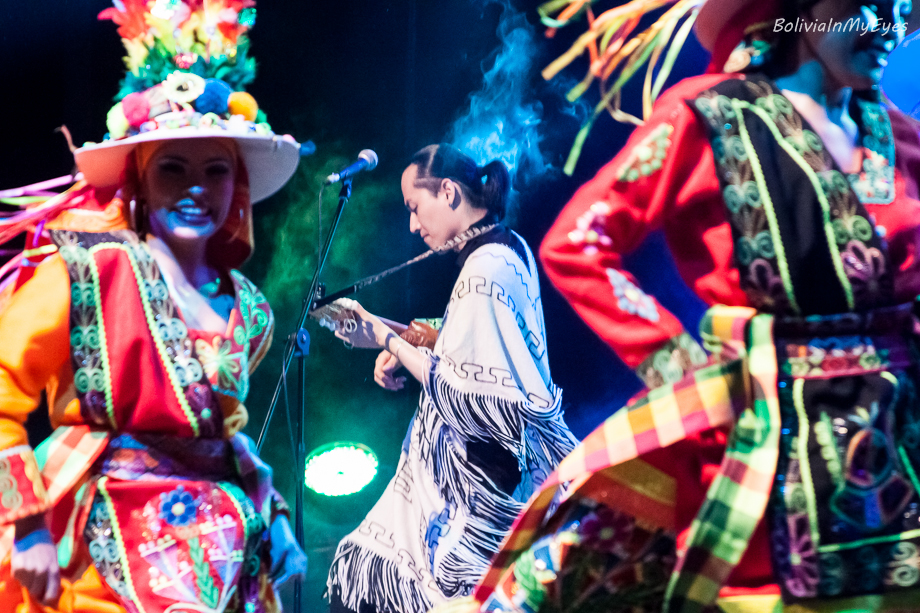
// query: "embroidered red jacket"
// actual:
[[665, 179]]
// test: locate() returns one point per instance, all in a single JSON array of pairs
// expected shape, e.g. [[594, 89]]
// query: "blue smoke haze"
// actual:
[[503, 120]]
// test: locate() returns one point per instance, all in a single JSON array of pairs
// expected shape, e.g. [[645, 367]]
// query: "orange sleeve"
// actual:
[[34, 345], [666, 164]]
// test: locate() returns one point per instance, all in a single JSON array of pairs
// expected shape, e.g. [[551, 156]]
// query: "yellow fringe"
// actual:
[[614, 49]]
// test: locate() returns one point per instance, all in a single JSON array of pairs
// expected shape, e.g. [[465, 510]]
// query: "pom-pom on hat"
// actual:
[[187, 64]]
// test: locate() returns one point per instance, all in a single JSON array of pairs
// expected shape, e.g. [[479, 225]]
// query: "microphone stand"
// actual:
[[298, 345]]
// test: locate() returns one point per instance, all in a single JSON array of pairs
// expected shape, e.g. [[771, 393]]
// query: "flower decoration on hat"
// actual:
[[206, 37], [187, 65], [183, 87]]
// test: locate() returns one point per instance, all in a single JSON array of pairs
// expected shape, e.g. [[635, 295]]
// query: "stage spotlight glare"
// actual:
[[340, 469]]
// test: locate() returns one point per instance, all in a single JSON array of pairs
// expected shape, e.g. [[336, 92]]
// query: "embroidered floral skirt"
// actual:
[[169, 529]]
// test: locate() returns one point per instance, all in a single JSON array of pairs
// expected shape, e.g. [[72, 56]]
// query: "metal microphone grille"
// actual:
[[370, 157]]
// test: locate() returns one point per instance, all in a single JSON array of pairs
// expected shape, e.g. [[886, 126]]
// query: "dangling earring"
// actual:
[[138, 211], [239, 228], [754, 51]]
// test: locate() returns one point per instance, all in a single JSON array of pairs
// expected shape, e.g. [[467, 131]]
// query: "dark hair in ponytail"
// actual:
[[484, 187]]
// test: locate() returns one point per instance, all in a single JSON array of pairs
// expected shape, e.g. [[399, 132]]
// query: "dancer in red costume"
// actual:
[[148, 497], [780, 471]]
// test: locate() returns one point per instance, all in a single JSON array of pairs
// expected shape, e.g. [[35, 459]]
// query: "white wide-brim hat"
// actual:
[[271, 159]]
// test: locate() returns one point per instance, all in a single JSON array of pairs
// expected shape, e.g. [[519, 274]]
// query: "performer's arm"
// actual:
[[35, 344], [288, 559], [406, 355], [373, 332], [666, 164]]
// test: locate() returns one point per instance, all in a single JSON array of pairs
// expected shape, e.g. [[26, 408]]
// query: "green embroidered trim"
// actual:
[[119, 541], [43, 250], [824, 434], [251, 522], [202, 570], [647, 156], [909, 469], [90, 369], [678, 357], [154, 331], [250, 298], [892, 538], [798, 386], [783, 265], [877, 126], [103, 347], [822, 200]]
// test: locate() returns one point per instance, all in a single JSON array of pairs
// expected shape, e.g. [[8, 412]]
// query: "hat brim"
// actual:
[[714, 16], [270, 159]]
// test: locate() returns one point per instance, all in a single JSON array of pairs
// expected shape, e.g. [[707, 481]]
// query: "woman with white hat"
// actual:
[[781, 470], [143, 334]]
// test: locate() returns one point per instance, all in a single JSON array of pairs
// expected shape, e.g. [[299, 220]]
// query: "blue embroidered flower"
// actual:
[[178, 507]]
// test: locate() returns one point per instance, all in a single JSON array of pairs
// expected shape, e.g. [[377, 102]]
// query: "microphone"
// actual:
[[307, 148], [367, 160]]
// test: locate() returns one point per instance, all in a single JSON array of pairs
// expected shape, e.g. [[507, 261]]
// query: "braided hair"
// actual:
[[484, 187]]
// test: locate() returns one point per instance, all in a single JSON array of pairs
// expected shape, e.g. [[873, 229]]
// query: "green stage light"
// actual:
[[340, 469]]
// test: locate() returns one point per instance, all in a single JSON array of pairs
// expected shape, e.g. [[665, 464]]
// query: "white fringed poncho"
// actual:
[[433, 532]]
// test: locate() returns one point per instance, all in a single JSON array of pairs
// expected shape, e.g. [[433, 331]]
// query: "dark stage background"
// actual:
[[393, 76]]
